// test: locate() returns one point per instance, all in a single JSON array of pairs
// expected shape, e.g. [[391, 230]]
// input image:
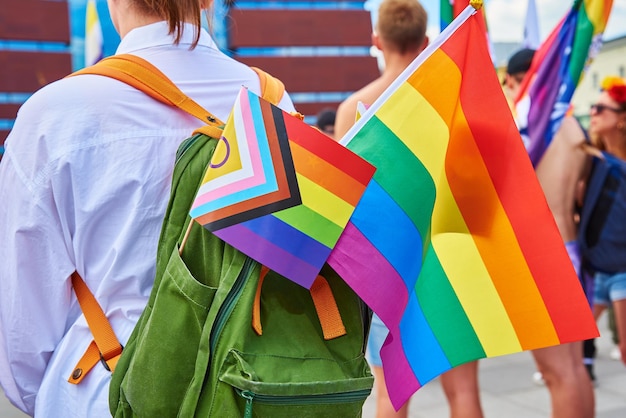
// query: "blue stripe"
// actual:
[[423, 352], [290, 239], [391, 231]]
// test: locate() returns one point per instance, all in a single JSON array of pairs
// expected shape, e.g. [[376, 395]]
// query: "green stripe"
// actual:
[[445, 314], [404, 177], [580, 48], [311, 223]]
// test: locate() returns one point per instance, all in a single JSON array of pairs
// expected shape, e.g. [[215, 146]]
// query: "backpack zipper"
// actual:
[[228, 305], [344, 397]]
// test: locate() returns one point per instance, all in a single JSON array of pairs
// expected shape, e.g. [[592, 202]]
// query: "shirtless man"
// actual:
[[560, 171], [400, 34]]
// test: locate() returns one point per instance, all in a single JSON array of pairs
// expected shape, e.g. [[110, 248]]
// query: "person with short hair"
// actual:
[[400, 34], [84, 185]]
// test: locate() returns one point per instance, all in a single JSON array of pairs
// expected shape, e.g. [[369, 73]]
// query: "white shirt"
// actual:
[[84, 184]]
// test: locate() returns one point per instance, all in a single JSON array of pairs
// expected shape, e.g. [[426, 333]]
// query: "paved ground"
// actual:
[[507, 390]]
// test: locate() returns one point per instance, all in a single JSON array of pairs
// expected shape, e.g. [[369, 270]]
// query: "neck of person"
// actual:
[[395, 63], [136, 23]]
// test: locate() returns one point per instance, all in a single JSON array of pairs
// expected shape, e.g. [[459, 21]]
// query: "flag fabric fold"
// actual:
[[556, 71], [93, 35], [452, 244], [279, 190]]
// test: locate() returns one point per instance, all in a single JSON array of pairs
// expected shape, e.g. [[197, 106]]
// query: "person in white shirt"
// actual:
[[84, 183]]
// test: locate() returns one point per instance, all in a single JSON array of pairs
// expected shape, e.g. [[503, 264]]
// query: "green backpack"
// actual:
[[223, 337]]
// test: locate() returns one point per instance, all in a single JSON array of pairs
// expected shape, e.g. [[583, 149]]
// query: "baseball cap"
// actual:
[[520, 61]]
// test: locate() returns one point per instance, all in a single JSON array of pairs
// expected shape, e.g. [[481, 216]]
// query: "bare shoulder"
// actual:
[[570, 132], [346, 112]]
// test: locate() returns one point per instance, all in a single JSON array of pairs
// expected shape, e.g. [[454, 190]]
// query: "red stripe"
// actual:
[[329, 150]]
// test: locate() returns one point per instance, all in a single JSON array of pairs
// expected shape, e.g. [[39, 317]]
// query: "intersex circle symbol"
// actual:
[[221, 163]]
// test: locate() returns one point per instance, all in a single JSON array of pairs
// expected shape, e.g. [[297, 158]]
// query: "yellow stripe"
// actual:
[[234, 162], [451, 239], [320, 200], [598, 14]]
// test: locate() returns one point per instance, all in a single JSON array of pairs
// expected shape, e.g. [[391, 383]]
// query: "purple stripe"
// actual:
[[270, 255], [398, 373], [378, 282], [290, 239], [553, 72]]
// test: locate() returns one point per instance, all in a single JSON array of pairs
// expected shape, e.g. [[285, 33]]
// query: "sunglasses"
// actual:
[[599, 108]]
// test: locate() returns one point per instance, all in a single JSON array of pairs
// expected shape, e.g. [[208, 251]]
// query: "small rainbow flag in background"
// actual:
[[449, 9], [452, 243], [279, 190], [93, 35], [557, 68]]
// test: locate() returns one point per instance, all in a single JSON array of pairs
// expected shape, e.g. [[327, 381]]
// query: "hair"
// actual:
[[176, 13], [402, 24], [325, 117]]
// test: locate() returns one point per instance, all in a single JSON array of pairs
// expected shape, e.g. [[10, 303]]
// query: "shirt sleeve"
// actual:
[[35, 291]]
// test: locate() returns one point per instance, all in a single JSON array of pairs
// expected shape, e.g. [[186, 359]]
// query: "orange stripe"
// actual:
[[326, 175]]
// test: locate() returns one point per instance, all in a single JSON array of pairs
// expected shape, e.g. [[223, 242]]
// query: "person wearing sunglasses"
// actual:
[[602, 234]]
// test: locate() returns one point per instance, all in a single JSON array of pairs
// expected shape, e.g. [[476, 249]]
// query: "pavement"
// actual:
[[507, 389]]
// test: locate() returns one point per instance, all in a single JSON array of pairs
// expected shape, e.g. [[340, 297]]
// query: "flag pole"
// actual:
[[472, 8]]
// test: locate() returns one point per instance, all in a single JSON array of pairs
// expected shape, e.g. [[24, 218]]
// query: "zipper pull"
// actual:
[[248, 396]]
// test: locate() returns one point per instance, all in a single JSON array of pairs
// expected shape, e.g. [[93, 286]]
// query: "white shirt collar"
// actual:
[[156, 34]]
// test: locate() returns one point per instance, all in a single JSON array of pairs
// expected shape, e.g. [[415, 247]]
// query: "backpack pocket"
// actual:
[[277, 386], [168, 343]]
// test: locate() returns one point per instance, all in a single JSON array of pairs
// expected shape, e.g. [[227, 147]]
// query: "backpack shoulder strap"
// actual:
[[105, 346], [143, 76], [272, 89]]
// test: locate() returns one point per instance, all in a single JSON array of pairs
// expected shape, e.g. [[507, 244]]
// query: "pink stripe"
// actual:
[[379, 284], [400, 379], [255, 155]]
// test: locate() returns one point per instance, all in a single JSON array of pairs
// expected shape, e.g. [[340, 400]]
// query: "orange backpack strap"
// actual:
[[142, 75], [272, 89], [105, 346], [327, 310], [145, 77], [325, 306]]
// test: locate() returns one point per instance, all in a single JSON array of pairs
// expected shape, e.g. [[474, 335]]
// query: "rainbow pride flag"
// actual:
[[452, 243], [557, 68], [279, 190], [449, 9]]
